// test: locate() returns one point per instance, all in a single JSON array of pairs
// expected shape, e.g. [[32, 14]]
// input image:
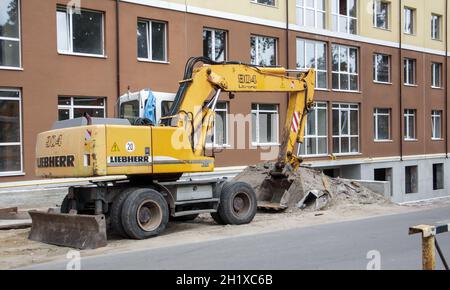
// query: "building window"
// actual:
[[315, 141], [438, 176], [215, 44], [10, 33], [345, 128], [311, 13], [436, 26], [75, 107], [345, 68], [382, 124], [411, 179], [263, 50], [264, 2], [80, 33], [10, 132], [152, 40], [409, 14], [436, 125], [219, 138], [410, 124], [381, 14], [436, 75], [313, 54], [264, 124], [344, 16], [410, 71], [381, 68]]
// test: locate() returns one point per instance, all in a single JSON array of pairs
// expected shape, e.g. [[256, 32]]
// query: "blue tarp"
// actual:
[[150, 106]]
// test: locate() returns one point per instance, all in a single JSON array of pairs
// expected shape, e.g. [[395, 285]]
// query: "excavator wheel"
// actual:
[[216, 217], [115, 215], [65, 206], [238, 204], [145, 213]]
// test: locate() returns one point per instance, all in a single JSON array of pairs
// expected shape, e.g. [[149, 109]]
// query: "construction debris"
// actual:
[[311, 190]]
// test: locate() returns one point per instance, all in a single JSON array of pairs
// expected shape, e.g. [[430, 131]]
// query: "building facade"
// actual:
[[381, 95]]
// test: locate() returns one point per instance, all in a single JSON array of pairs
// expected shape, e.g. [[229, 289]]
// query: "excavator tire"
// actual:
[[116, 212], [216, 217], [65, 205], [145, 214], [238, 203]]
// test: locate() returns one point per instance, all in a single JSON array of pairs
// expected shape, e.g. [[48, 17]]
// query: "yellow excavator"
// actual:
[[136, 169]]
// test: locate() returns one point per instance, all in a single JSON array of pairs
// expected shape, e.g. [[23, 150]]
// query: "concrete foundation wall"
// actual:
[[425, 178], [382, 187]]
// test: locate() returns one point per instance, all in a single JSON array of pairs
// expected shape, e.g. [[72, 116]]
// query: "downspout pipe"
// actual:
[[400, 65], [446, 79], [117, 57]]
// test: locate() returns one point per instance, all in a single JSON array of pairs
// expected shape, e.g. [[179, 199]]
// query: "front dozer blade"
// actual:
[[273, 193], [69, 230]]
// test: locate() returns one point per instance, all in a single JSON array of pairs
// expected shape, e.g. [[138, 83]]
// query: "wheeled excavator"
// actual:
[[136, 169]]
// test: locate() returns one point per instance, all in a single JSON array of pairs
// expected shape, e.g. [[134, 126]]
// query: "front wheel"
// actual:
[[145, 213], [238, 204]]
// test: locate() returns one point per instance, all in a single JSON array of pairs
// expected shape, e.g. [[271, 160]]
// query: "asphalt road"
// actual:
[[345, 245]]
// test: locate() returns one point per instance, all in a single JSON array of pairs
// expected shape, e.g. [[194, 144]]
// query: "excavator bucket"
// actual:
[[69, 230], [273, 193], [275, 190]]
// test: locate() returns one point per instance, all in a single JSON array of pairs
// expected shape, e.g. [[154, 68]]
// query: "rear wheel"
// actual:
[[144, 214], [216, 217], [237, 204], [66, 205]]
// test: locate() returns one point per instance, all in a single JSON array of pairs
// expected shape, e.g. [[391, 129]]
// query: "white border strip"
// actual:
[[278, 24], [357, 161]]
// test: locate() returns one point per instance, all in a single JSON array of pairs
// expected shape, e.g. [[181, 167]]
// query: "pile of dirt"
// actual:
[[308, 189]]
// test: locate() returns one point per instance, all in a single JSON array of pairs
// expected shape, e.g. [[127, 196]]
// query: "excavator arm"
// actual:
[[195, 115]]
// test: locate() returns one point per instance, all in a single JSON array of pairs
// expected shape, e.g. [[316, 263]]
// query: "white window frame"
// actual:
[[316, 11], [69, 18], [149, 24], [264, 4], [347, 107], [375, 64], [19, 22], [434, 83], [315, 58], [376, 114], [257, 39], [20, 172], [347, 16], [72, 106], [277, 125], [375, 14], [316, 136], [226, 121], [347, 73], [436, 35], [213, 38], [410, 62], [408, 113], [436, 116], [410, 15]]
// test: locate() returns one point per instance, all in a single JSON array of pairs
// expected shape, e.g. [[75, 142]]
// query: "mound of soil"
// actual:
[[309, 189]]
